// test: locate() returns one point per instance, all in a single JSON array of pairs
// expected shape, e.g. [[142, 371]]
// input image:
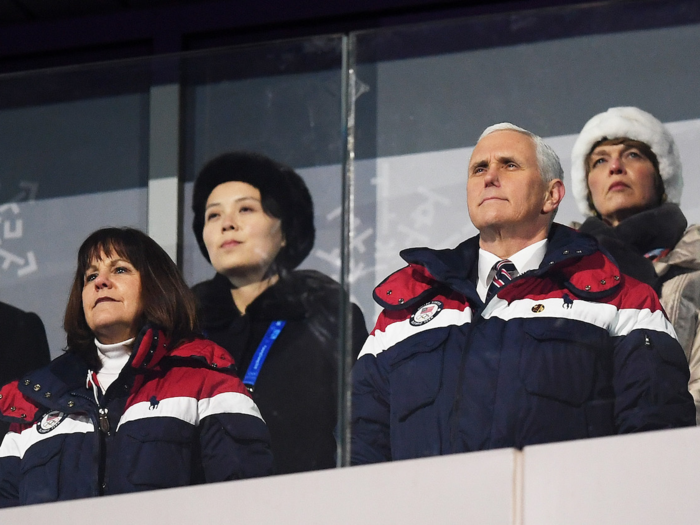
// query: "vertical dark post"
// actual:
[[346, 322]]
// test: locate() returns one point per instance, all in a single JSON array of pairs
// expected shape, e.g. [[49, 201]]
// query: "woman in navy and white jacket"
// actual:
[[138, 401]]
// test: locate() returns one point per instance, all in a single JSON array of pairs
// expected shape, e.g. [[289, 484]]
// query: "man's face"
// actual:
[[505, 188]]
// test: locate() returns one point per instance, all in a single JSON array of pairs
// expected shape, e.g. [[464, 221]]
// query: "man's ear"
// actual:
[[553, 196]]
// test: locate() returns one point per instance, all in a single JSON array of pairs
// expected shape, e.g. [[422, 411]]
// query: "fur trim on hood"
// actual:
[[635, 124]]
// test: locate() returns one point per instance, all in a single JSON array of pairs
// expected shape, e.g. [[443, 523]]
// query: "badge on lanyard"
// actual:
[[251, 375]]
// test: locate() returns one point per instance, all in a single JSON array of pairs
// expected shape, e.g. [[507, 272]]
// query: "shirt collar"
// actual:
[[529, 258], [115, 352]]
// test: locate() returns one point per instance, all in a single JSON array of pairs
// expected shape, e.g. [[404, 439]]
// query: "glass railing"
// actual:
[[379, 125]]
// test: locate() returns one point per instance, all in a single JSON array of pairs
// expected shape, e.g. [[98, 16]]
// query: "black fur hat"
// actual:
[[283, 193]]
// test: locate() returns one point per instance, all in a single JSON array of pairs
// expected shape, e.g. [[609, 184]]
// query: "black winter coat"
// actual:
[[23, 346], [296, 390]]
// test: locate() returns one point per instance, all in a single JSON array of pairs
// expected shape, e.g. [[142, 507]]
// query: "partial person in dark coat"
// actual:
[[254, 221], [23, 346]]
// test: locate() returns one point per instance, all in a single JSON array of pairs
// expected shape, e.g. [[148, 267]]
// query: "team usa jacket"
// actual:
[[573, 349], [171, 418]]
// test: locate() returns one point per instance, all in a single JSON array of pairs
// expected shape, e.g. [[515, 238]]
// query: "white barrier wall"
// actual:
[[465, 488], [645, 479]]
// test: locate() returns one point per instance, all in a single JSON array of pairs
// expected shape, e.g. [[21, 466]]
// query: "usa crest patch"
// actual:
[[426, 313], [50, 421]]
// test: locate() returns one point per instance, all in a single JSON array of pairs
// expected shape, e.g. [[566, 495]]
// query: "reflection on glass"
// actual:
[[425, 92], [282, 101], [73, 158], [79, 144]]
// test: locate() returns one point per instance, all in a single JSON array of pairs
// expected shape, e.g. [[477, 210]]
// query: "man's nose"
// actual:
[[491, 175]]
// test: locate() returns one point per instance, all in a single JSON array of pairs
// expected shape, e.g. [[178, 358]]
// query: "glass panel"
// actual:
[[282, 100], [81, 147], [426, 92], [73, 158], [112, 145]]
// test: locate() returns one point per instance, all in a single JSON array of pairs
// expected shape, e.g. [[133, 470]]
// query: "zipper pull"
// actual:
[[104, 420]]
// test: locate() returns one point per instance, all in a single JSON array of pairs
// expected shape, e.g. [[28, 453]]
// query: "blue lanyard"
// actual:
[[251, 375]]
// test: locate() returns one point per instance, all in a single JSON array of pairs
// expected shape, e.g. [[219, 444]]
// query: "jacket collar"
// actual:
[[685, 254], [54, 385], [61, 384], [595, 276], [49, 387], [660, 227], [14, 406], [152, 349], [283, 300], [150, 346]]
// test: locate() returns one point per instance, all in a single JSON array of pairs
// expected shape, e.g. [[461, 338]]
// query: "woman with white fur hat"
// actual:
[[627, 181]]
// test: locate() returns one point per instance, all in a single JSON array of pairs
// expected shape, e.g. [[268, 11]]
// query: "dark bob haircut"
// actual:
[[166, 301], [283, 195]]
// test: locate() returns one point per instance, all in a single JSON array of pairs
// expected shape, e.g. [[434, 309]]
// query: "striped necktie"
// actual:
[[505, 271]]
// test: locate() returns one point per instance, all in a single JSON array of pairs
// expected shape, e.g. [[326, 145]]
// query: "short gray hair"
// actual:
[[547, 160]]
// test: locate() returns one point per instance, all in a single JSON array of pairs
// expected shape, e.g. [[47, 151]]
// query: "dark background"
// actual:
[[36, 34]]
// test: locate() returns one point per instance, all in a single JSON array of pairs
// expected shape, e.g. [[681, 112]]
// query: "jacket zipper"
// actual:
[[104, 420], [99, 457]]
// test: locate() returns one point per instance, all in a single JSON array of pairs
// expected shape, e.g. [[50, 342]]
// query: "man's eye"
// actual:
[[511, 165]]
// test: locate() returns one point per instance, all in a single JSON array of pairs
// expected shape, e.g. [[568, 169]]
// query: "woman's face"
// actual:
[[112, 299], [242, 240], [621, 181]]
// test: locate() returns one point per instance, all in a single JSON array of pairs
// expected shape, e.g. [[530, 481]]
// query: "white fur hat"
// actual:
[[635, 124]]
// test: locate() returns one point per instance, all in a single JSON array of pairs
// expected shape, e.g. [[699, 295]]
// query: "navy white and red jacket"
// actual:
[[172, 418], [573, 349]]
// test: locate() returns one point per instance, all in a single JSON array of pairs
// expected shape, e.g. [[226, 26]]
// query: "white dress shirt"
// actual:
[[529, 258]]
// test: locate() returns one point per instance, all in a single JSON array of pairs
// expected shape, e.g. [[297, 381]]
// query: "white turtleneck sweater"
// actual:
[[113, 358]]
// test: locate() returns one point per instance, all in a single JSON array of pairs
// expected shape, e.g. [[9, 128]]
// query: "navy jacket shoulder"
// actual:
[[569, 350]]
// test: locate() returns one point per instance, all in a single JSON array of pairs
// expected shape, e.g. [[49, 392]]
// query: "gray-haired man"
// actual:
[[526, 333]]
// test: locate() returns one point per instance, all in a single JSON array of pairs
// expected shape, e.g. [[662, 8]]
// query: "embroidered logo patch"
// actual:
[[568, 301], [538, 308], [50, 421], [426, 313]]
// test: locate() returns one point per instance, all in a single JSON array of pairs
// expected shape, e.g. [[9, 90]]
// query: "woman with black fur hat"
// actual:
[[254, 221]]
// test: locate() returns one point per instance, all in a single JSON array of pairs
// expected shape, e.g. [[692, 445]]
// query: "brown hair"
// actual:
[[644, 149], [167, 302]]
